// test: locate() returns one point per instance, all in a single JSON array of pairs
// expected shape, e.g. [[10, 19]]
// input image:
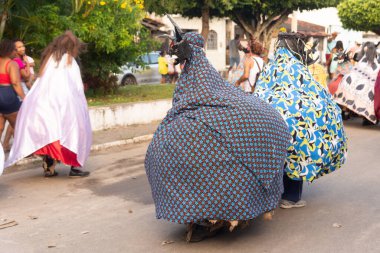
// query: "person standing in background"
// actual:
[[234, 47], [25, 76], [31, 70], [331, 42], [163, 67], [23, 63], [251, 67], [10, 88]]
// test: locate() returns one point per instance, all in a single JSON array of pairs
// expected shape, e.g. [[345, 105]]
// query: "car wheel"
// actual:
[[128, 80]]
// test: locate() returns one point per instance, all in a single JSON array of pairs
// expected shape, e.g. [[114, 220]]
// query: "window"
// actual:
[[212, 41], [145, 58], [154, 58]]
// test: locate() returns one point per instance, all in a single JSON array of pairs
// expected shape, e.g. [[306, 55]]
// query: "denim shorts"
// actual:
[[9, 102], [234, 60]]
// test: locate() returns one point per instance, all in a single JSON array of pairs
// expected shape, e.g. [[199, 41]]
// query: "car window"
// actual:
[[153, 58], [145, 58]]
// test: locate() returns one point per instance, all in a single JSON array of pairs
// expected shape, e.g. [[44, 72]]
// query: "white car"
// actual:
[[133, 74]]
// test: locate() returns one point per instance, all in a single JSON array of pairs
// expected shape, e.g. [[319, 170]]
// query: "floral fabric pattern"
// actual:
[[314, 120]]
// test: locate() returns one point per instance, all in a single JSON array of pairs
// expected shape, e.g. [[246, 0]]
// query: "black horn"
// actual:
[[178, 31]]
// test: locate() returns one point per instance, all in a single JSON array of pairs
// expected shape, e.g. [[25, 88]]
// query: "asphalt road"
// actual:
[[113, 211]]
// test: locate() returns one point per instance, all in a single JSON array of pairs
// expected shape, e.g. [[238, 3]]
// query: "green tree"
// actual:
[[114, 36], [111, 29], [204, 9], [360, 15], [260, 18]]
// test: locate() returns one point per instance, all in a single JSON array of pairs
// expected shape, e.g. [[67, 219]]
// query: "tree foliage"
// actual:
[[260, 18], [360, 15], [111, 29], [204, 9]]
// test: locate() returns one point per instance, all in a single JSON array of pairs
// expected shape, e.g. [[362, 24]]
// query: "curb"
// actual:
[[97, 147]]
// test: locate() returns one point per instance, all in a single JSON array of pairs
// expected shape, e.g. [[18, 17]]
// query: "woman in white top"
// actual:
[[252, 65]]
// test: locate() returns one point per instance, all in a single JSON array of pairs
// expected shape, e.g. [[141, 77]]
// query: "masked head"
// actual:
[[180, 45], [296, 43]]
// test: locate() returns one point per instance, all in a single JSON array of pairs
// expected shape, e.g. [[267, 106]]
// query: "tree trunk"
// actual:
[[3, 21], [205, 21]]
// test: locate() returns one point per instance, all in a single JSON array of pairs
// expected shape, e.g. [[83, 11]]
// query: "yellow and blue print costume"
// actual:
[[319, 143]]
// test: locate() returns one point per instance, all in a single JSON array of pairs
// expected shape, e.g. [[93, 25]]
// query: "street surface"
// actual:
[[113, 211]]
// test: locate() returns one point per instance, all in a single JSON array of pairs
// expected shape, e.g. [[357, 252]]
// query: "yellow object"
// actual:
[[319, 73], [162, 66], [102, 3]]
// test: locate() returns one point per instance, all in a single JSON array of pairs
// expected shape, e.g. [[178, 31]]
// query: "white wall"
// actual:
[[103, 117], [216, 57]]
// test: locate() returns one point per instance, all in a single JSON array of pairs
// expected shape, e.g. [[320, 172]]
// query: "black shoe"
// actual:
[[366, 122], [78, 173], [345, 115]]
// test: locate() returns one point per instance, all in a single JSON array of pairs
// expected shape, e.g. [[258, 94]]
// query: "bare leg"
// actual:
[[11, 118], [7, 138], [12, 122], [2, 123]]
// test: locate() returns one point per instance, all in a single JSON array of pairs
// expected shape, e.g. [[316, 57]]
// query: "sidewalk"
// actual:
[[123, 135], [115, 137]]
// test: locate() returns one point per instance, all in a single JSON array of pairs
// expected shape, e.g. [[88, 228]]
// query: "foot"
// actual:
[[48, 165], [78, 173], [268, 215], [366, 122], [287, 204], [197, 233], [345, 115], [50, 174]]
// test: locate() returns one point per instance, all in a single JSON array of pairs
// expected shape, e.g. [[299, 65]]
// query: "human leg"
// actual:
[[2, 123], [8, 135], [48, 165], [292, 193]]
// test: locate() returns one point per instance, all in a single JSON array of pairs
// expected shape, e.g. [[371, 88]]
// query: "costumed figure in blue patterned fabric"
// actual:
[[217, 158], [319, 143]]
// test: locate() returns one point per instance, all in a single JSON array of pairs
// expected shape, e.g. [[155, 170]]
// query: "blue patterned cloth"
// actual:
[[219, 153], [319, 142]]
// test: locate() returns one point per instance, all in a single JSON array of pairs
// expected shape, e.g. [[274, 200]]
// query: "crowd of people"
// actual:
[[167, 68], [341, 64], [226, 152]]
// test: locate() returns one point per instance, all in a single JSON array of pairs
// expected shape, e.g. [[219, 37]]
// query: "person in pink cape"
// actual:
[[53, 121]]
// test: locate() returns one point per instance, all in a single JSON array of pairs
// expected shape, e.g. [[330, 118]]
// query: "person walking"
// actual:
[[234, 46], [319, 144], [10, 85], [163, 67], [25, 67], [251, 67], [53, 121], [336, 56]]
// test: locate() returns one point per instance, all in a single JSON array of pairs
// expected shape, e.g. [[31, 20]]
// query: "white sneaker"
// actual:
[[286, 204]]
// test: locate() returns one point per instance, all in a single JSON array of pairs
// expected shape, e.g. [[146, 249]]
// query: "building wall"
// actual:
[[217, 57]]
